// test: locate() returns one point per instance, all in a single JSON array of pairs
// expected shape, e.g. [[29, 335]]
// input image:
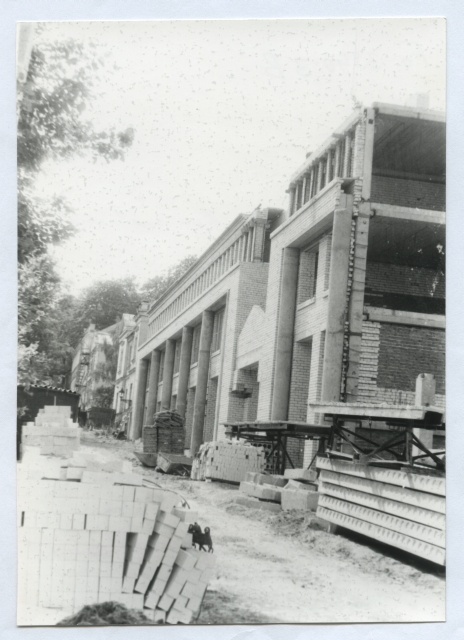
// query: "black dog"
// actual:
[[201, 539]]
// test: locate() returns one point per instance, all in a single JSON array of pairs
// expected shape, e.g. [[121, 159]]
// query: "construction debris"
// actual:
[[227, 461], [167, 434], [400, 508], [105, 538], [174, 463], [53, 430], [303, 475]]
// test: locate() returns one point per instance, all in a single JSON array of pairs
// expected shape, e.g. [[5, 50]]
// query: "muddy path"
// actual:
[[274, 568]]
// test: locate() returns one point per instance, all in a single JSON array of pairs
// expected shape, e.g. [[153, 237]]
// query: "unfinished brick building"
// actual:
[[340, 298], [187, 339]]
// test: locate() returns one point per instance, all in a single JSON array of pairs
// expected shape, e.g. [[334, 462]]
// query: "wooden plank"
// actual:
[[408, 496], [386, 520], [416, 514], [398, 540], [427, 484]]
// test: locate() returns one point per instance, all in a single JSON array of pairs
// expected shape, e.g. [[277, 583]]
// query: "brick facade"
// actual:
[[378, 360], [417, 194]]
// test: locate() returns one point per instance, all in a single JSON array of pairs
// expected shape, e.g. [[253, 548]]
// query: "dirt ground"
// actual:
[[275, 568]]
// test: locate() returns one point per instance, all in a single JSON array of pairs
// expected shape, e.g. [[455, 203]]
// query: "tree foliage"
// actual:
[[103, 304], [51, 126], [156, 286]]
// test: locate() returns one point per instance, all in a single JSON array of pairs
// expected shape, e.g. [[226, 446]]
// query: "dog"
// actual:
[[201, 539]]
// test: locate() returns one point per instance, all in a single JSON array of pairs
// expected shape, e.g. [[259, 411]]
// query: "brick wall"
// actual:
[[392, 356], [299, 386], [405, 352], [412, 281], [409, 193]]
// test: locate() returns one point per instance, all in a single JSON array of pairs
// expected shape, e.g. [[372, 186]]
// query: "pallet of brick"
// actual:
[[226, 461], [53, 430], [167, 434], [108, 538], [400, 508]]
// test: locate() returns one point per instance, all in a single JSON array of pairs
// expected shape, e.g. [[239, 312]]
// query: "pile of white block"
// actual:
[[300, 491], [227, 461], [107, 537], [275, 493], [53, 430]]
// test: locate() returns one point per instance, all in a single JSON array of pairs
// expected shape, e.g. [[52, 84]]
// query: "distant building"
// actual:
[[339, 299], [125, 374], [93, 372]]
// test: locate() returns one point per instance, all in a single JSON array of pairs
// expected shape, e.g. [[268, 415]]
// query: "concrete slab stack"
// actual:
[[403, 509], [227, 461], [103, 538], [53, 430]]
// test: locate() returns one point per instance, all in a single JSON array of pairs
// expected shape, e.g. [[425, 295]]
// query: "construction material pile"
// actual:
[[167, 434], [53, 430], [107, 537], [227, 461], [400, 508], [301, 490], [276, 493]]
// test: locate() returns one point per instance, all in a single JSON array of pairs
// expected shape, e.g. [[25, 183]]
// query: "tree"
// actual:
[[52, 125], [155, 287], [103, 303]]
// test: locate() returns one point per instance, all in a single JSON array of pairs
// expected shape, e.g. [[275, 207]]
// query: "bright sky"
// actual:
[[224, 112]]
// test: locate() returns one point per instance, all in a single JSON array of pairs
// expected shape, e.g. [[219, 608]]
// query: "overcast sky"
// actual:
[[223, 113]]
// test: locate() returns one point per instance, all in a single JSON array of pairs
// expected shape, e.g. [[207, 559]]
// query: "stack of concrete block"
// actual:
[[300, 491], [53, 430], [262, 491], [108, 538], [299, 496], [227, 461]]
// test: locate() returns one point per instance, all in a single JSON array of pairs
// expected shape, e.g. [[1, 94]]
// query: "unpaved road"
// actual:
[[273, 568]]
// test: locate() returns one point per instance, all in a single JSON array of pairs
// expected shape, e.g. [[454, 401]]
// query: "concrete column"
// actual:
[[329, 172], [319, 176], [258, 245], [311, 183], [202, 381], [291, 206], [139, 400], [337, 303], [285, 327], [166, 391], [153, 384], [184, 370], [368, 154], [346, 159], [303, 189], [250, 244], [337, 161]]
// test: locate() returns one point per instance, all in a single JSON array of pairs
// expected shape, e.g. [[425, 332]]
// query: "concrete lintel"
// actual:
[[407, 213], [433, 321]]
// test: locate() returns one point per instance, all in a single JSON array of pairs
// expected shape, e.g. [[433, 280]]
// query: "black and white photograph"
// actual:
[[231, 321]]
